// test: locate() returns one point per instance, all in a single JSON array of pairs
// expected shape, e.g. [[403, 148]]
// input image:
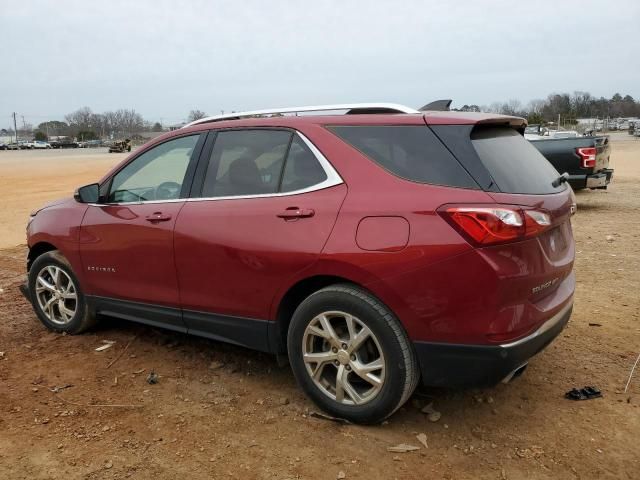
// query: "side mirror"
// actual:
[[88, 194]]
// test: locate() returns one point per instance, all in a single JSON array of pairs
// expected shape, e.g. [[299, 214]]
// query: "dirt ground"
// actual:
[[220, 411]]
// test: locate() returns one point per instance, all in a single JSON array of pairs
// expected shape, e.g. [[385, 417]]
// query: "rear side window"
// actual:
[[246, 162], [411, 152], [515, 165]]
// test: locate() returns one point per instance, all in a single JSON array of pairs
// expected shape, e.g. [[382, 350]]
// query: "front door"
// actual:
[[126, 244], [266, 208]]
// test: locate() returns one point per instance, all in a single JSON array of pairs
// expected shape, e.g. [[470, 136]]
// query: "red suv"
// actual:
[[377, 247]]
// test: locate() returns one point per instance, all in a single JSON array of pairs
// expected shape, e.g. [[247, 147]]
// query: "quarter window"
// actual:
[[411, 152], [157, 174], [302, 169]]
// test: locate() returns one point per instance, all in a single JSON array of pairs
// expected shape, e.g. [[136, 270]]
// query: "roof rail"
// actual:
[[351, 108]]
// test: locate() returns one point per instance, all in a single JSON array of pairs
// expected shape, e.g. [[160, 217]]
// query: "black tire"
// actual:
[[83, 319], [401, 366]]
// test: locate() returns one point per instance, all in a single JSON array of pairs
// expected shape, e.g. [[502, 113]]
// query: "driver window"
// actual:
[[157, 174]]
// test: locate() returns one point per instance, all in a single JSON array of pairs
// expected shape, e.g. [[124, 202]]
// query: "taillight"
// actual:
[[499, 224], [588, 156]]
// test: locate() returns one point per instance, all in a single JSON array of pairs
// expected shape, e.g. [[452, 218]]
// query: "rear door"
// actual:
[[126, 243], [263, 209]]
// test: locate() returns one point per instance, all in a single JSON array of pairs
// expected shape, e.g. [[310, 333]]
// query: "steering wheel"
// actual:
[[168, 191]]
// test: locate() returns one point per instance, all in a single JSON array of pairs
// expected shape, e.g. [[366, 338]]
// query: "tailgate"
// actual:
[[603, 151], [549, 258]]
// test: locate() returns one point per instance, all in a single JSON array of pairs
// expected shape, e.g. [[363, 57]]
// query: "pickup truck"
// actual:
[[584, 159]]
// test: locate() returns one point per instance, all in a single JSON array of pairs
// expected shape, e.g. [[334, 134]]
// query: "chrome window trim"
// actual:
[[333, 179]]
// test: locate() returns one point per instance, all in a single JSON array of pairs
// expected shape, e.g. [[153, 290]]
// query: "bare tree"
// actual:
[[131, 121], [495, 107], [26, 130], [80, 119], [196, 115], [511, 107], [536, 106]]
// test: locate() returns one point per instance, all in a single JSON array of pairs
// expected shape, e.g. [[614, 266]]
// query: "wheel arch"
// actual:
[[290, 301], [38, 249], [294, 296]]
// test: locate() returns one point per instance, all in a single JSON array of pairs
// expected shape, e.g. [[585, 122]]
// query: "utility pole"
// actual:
[[15, 127]]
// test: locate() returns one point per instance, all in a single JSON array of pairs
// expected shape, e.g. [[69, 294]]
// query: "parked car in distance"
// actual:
[[64, 143], [563, 134], [376, 249], [535, 131], [13, 146], [39, 144], [585, 160]]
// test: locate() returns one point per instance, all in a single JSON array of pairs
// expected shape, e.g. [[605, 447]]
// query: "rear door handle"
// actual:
[[158, 217], [295, 212]]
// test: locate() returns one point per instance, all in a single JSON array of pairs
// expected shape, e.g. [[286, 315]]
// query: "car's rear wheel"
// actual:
[[350, 354], [56, 295]]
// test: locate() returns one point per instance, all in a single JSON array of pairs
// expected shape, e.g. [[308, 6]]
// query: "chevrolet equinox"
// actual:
[[375, 245]]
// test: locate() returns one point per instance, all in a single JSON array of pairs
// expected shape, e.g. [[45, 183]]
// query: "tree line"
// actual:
[[85, 124], [88, 125], [569, 106]]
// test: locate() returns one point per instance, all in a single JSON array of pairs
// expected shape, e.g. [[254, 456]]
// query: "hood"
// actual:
[[53, 203]]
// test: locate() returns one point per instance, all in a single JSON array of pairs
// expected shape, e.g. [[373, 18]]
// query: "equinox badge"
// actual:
[[545, 285]]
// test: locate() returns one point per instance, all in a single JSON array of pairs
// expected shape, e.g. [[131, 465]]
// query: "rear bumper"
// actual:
[[461, 366], [595, 180]]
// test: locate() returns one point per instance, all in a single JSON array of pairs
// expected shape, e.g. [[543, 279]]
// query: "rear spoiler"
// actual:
[[477, 118], [437, 106]]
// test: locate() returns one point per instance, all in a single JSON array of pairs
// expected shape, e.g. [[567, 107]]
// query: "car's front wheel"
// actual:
[[350, 354], [56, 295]]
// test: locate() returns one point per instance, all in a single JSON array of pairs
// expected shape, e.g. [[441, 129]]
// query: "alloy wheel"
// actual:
[[343, 358], [56, 294]]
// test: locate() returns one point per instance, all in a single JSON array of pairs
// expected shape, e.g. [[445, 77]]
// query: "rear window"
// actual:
[[411, 152], [515, 165]]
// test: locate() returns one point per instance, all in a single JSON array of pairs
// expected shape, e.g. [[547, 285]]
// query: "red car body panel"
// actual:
[[128, 256], [60, 227], [237, 258], [229, 251]]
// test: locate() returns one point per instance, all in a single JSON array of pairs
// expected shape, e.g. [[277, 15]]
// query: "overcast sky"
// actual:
[[164, 58]]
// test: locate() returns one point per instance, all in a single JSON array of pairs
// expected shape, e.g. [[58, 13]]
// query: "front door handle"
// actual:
[[156, 217], [292, 213]]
